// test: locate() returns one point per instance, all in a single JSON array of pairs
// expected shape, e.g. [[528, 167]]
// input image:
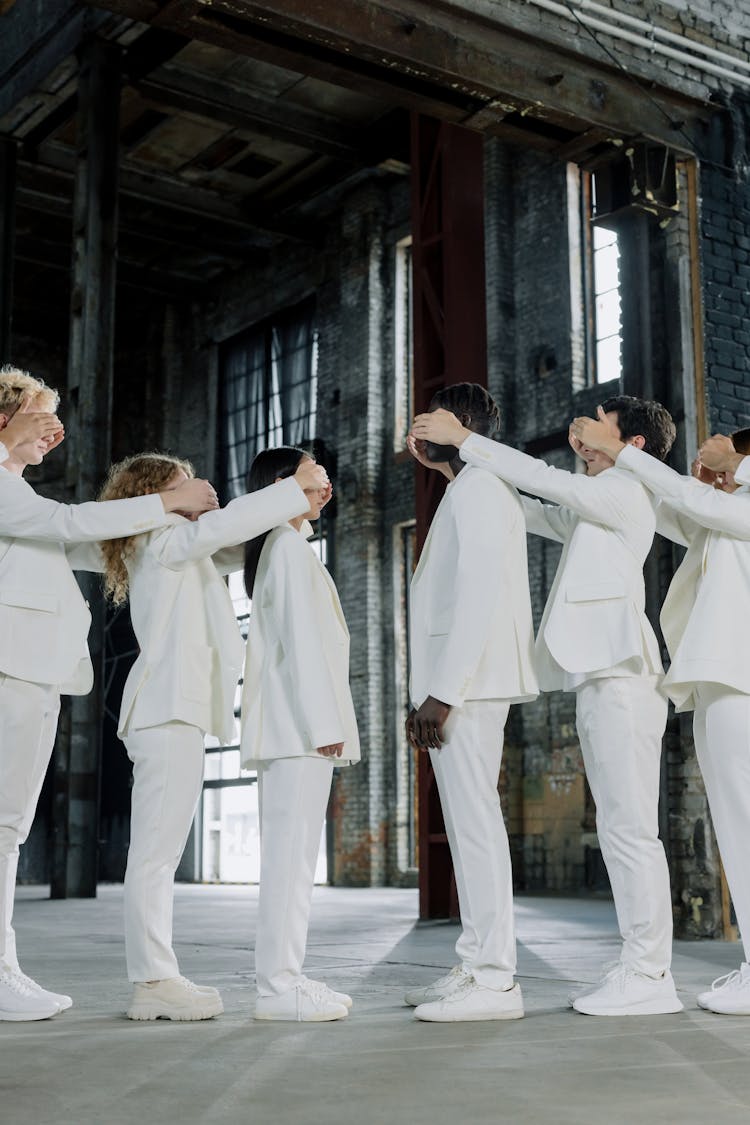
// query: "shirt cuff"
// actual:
[[4, 455]]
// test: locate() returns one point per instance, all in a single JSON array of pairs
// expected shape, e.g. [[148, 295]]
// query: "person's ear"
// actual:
[[638, 440], [465, 420], [4, 419]]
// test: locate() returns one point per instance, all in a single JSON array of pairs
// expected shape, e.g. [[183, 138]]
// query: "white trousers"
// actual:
[[620, 722], [721, 728], [168, 763], [292, 797], [467, 770], [28, 721]]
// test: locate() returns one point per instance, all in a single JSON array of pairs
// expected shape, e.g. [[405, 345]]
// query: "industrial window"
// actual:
[[269, 386], [602, 289], [403, 344]]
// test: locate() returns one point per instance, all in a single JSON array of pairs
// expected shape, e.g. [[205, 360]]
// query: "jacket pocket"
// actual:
[[595, 592], [29, 599]]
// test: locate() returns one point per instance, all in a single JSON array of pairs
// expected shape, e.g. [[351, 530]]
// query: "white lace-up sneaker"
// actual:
[[339, 997], [585, 989], [310, 1001], [174, 999], [204, 989], [729, 995], [19, 1002], [439, 988], [473, 1001], [625, 992], [63, 1002]]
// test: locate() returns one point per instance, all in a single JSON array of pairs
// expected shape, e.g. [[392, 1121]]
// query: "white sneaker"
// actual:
[[472, 1001], [173, 999], [443, 986], [584, 989], [19, 1003], [338, 997], [204, 989], [310, 1001], [626, 992], [729, 995], [63, 1002]]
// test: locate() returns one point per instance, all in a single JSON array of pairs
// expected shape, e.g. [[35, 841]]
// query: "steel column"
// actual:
[[450, 346], [8, 152], [88, 423]]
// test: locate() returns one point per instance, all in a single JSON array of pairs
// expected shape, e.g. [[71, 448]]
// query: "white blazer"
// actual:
[[44, 621], [471, 632], [296, 694], [190, 646], [705, 613], [595, 616]]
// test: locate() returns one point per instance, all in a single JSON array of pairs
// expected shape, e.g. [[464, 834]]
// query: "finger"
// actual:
[[25, 405]]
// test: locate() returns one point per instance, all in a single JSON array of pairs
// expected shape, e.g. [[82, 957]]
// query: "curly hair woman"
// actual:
[[180, 688]]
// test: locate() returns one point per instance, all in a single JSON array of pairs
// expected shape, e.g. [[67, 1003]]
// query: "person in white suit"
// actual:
[[180, 688], [703, 621], [596, 640], [44, 623], [471, 652], [297, 722]]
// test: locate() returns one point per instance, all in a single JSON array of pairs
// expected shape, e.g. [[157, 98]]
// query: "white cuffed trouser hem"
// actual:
[[168, 763], [620, 723], [721, 727], [467, 769], [28, 722], [293, 796]]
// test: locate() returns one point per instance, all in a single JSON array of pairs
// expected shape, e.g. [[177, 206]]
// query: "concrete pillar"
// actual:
[[88, 422]]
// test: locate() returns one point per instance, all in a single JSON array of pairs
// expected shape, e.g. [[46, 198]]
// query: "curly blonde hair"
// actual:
[[16, 386], [138, 475]]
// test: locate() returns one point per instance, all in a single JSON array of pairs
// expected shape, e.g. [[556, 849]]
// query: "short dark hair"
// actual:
[[471, 399], [644, 418], [741, 441]]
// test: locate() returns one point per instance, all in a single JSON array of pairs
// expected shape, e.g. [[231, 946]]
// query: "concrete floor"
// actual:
[[91, 1066]]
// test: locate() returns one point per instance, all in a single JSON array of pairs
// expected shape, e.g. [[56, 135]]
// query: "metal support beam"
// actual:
[[88, 422], [450, 345], [8, 155]]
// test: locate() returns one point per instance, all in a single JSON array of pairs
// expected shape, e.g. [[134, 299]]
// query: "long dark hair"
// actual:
[[268, 466]]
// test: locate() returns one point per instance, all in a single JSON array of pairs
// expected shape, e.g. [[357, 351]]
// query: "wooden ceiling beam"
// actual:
[[450, 59]]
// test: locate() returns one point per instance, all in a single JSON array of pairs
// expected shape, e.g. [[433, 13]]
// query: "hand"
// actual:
[[595, 434], [311, 477], [25, 426], [194, 495], [704, 475], [441, 427], [332, 751], [416, 448], [425, 726], [719, 454]]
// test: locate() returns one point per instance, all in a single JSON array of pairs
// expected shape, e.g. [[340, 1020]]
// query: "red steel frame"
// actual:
[[450, 346]]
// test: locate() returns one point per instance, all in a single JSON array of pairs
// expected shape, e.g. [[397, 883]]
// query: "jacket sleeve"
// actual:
[[229, 559], [26, 515], [297, 607], [549, 520], [242, 519], [85, 556], [4, 455], [718, 511], [742, 472], [673, 525], [593, 498], [482, 527]]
